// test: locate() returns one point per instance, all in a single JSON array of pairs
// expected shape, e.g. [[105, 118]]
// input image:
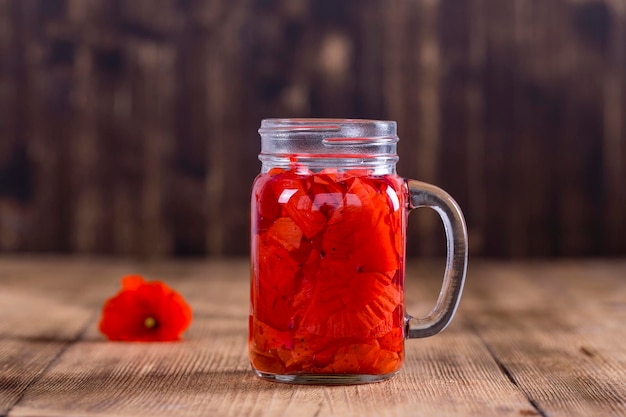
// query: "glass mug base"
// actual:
[[325, 379]]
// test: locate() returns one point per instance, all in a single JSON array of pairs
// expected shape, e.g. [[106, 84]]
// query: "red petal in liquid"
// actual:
[[327, 273]]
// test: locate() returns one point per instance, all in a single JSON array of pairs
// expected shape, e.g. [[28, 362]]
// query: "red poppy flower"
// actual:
[[145, 312]]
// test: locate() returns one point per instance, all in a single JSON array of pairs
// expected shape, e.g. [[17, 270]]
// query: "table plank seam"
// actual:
[[508, 374], [53, 361]]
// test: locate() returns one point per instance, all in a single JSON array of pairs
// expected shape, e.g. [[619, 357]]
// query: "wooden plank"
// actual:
[[499, 76], [584, 109], [32, 337], [501, 103], [426, 150], [232, 163], [186, 200], [43, 130], [45, 307], [12, 152], [557, 332], [476, 129], [8, 91], [411, 79], [614, 143], [84, 156], [155, 94], [208, 372], [532, 107], [529, 339]]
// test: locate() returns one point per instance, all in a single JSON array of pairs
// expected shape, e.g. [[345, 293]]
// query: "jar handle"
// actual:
[[422, 194]]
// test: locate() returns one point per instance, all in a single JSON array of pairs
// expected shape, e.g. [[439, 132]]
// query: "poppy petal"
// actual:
[[327, 274], [145, 311]]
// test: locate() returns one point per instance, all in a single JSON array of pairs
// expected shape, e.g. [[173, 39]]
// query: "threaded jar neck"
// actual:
[[329, 143]]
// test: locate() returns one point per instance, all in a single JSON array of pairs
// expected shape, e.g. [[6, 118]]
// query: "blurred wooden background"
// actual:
[[129, 127]]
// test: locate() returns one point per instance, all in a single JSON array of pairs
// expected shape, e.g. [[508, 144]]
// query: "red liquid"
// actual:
[[327, 273]]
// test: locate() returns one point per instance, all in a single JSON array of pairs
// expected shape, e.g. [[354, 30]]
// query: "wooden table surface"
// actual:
[[529, 339]]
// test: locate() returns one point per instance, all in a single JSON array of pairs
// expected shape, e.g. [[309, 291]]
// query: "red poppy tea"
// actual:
[[329, 260], [327, 253]]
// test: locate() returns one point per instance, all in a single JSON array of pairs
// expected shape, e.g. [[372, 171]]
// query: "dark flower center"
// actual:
[[150, 322]]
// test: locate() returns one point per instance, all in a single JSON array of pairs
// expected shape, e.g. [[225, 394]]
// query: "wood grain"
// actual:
[[558, 339], [529, 339], [44, 308], [129, 128]]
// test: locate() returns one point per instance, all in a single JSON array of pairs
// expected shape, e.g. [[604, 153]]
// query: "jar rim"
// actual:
[[347, 128], [329, 143]]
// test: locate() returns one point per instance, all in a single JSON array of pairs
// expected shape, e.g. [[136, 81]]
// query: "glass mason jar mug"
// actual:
[[328, 244]]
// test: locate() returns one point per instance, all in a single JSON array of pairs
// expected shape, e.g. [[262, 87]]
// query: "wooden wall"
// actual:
[[129, 127]]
